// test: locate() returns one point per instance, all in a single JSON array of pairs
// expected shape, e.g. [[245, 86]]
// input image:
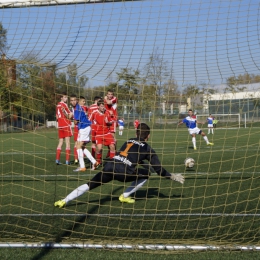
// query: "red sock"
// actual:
[[93, 151], [108, 154], [68, 154], [75, 153], [112, 154], [58, 152], [99, 157]]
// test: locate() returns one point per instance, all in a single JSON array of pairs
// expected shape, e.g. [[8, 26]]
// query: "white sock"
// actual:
[[77, 192], [212, 130], [89, 156], [194, 141], [206, 139], [81, 158], [135, 185]]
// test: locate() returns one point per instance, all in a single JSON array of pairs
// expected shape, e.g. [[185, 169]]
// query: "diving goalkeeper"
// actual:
[[123, 168]]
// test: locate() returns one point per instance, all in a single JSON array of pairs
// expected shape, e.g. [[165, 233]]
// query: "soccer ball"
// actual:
[[189, 162]]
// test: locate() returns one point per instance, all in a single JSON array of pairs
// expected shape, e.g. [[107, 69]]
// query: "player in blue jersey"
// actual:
[[121, 124], [191, 123], [83, 123], [210, 124]]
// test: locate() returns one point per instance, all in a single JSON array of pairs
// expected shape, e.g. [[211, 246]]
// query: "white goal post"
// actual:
[[226, 120]]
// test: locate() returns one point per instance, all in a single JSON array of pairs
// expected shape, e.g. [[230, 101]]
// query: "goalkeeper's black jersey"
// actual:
[[134, 151]]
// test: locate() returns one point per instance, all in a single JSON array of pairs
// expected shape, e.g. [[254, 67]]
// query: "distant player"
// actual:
[[74, 102], [63, 116], [191, 123], [103, 119], [121, 124], [136, 123], [91, 109], [83, 124], [210, 120]]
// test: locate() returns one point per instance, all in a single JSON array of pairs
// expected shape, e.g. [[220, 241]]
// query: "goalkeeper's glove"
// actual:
[[177, 177]]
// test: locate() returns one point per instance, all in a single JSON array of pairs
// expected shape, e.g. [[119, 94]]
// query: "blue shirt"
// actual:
[[190, 122], [210, 120], [121, 122], [81, 117]]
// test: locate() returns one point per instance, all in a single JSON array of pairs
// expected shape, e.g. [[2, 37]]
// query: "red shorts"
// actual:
[[76, 132], [105, 139], [65, 132]]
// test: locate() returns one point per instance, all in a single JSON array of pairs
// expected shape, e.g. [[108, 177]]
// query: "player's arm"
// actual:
[[156, 164], [180, 123]]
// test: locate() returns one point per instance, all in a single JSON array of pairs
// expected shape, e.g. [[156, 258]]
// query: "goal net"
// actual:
[[159, 58]]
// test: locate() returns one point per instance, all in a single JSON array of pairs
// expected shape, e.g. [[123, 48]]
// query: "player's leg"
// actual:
[[99, 179], [75, 135], [212, 131], [67, 141], [138, 180], [99, 152], [205, 138], [82, 166], [93, 161], [193, 138], [58, 150]]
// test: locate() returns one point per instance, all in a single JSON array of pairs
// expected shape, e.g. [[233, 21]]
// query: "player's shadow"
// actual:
[[152, 193]]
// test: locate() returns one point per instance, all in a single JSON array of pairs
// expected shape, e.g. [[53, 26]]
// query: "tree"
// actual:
[[3, 39], [156, 72]]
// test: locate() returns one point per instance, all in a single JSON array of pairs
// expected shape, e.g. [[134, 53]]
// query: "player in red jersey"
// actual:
[[74, 102], [103, 121], [136, 123], [91, 109], [110, 102], [63, 116]]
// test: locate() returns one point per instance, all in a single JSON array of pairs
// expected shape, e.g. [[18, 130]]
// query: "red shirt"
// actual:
[[102, 121], [112, 107], [62, 111], [92, 108]]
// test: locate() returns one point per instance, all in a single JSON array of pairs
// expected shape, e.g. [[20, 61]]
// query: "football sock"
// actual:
[[81, 158], [67, 154], [112, 154], [58, 152], [135, 185], [77, 192], [194, 141], [75, 153], [89, 156], [206, 139]]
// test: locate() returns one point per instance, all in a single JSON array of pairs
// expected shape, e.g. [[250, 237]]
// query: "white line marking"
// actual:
[[133, 215]]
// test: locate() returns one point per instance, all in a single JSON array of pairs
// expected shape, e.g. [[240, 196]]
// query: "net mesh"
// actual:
[[160, 58]]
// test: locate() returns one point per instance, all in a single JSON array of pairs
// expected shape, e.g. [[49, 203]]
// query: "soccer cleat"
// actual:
[[80, 170], [126, 200], [58, 162], [210, 144], [195, 148], [60, 203], [95, 165], [68, 163], [76, 162]]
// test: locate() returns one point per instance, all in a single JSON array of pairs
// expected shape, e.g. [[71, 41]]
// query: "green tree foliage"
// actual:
[[3, 39], [237, 83]]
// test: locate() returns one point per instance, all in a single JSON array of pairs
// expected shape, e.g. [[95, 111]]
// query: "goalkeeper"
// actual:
[[123, 168]]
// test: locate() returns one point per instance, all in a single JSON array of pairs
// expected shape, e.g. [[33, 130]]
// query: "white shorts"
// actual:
[[195, 130], [210, 125], [83, 135], [121, 127]]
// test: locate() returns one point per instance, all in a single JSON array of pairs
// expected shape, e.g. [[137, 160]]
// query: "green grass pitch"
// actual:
[[218, 203]]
